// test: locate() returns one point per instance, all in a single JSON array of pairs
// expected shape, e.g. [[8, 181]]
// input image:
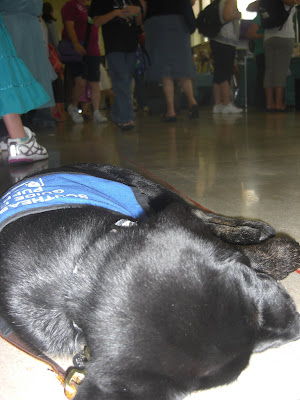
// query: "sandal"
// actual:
[[126, 126]]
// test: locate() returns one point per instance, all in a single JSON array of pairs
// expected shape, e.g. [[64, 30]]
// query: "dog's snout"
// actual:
[[298, 325]]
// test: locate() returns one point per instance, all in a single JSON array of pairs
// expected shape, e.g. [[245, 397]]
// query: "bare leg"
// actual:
[[225, 92], [187, 87], [95, 95], [168, 88], [85, 108], [110, 94], [61, 109], [279, 96], [14, 126], [270, 104], [79, 86], [217, 94]]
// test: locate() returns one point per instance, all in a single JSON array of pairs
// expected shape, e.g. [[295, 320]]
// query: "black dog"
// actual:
[[165, 305]]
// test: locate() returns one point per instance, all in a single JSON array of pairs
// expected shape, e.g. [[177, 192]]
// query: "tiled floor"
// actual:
[[245, 165]]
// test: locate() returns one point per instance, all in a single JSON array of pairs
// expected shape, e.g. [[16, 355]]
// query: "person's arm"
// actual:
[[127, 12], [134, 11], [230, 11], [252, 32], [253, 7], [69, 25], [100, 20], [144, 7]]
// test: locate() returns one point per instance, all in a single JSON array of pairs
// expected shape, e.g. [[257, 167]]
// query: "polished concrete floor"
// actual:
[[235, 165], [246, 165]]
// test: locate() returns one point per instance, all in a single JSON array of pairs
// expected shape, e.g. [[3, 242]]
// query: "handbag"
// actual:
[[67, 52], [142, 60]]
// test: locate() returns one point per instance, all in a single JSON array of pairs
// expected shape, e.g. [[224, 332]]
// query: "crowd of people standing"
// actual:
[[166, 26]]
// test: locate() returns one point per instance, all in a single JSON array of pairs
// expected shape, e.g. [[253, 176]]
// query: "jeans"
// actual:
[[121, 67]]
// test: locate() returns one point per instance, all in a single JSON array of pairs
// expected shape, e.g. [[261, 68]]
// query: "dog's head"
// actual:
[[185, 309]]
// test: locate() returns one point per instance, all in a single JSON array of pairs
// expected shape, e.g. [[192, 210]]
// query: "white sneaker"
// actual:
[[98, 117], [231, 109], [74, 114], [29, 151], [217, 108]]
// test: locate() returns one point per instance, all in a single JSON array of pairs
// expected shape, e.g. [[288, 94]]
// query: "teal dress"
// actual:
[[20, 18], [19, 91]]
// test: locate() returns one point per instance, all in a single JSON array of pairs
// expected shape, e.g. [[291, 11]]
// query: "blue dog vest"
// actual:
[[65, 190]]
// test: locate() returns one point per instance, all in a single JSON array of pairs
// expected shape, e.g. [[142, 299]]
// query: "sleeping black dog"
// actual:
[[168, 298]]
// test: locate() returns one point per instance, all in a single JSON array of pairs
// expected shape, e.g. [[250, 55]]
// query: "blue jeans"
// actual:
[[121, 67]]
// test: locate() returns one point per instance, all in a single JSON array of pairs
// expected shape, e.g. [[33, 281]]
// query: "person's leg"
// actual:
[[284, 51], [223, 56], [168, 88], [95, 99], [115, 62], [109, 97], [260, 98], [217, 94], [187, 87], [225, 92], [78, 88], [222, 97], [269, 48], [78, 72], [130, 68], [121, 67], [279, 98], [270, 102], [95, 95], [93, 77], [14, 126]]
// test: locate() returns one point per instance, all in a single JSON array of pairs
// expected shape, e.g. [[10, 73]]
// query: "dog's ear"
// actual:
[[277, 256], [277, 318]]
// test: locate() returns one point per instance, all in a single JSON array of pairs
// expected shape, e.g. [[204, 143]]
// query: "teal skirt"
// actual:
[[19, 91]]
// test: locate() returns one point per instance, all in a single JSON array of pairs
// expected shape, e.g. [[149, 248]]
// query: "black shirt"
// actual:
[[118, 34], [164, 7]]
